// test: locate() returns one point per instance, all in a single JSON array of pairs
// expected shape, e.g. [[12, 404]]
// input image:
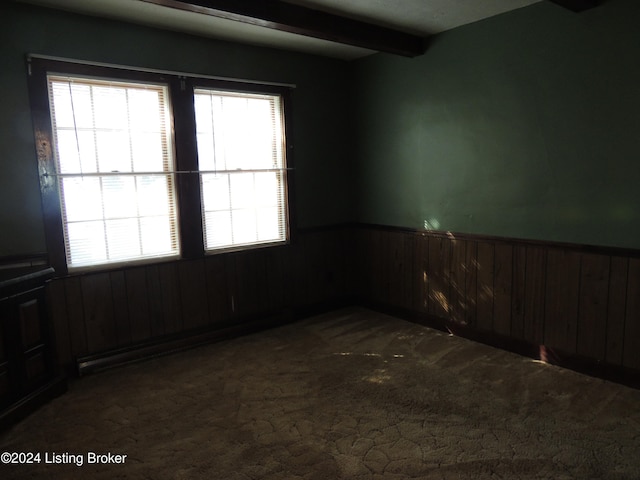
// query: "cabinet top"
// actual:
[[15, 280]]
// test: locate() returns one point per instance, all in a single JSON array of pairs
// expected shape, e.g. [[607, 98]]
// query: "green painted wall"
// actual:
[[320, 137], [524, 125]]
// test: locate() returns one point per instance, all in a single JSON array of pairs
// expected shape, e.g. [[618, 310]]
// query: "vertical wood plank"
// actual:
[[616, 309], [445, 257], [561, 301], [485, 286], [408, 255], [438, 276], [217, 289], [631, 356], [164, 299], [339, 262], [394, 260], [171, 300], [312, 268], [371, 264], [384, 265], [307, 267], [535, 291], [259, 266], [350, 254], [333, 264], [156, 310], [518, 291], [98, 312], [138, 304], [59, 319], [326, 255], [471, 283], [420, 268], [360, 274], [592, 317], [378, 263], [457, 282], [193, 294], [120, 306], [300, 286], [289, 275], [503, 279], [75, 311], [275, 268]]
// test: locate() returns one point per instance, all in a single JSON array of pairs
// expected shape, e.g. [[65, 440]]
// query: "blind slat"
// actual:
[[115, 166], [240, 140]]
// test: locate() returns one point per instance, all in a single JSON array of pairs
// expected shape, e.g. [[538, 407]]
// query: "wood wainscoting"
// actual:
[[105, 313], [572, 305]]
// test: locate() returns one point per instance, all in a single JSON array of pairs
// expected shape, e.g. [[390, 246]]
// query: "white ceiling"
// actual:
[[421, 17]]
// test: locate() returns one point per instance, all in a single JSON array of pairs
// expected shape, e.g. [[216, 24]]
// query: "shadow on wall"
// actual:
[[476, 285]]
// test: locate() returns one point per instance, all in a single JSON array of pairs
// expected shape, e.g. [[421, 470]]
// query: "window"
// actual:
[[149, 166], [114, 159], [241, 158]]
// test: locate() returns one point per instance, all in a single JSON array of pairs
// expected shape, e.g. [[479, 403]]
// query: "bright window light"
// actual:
[[115, 170], [241, 160]]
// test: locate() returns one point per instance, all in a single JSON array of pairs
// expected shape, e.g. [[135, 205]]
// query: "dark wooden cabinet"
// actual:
[[28, 368]]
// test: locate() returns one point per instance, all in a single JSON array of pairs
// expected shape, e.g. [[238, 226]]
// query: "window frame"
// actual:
[[101, 176], [182, 123], [225, 86]]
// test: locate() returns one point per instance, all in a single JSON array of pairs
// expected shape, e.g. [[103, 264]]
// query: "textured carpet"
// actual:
[[351, 394]]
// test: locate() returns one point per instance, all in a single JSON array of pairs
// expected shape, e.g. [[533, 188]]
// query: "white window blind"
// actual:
[[242, 168], [115, 166]]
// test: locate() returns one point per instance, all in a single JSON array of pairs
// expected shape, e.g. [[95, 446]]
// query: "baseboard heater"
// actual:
[[175, 343]]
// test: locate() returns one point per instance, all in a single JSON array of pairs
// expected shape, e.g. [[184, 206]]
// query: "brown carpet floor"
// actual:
[[352, 394]]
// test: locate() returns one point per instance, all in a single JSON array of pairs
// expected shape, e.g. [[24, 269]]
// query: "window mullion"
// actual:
[[188, 186]]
